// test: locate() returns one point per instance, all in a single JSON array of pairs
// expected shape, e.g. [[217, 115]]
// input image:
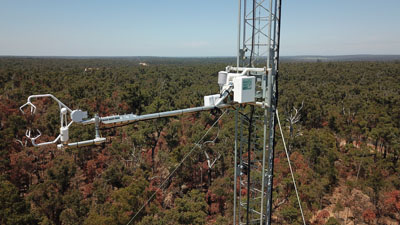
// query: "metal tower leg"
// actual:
[[248, 192]]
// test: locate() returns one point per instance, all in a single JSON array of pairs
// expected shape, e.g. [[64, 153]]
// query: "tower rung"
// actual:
[[252, 210]]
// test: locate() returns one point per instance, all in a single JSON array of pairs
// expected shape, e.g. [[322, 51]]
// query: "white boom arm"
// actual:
[[244, 92]]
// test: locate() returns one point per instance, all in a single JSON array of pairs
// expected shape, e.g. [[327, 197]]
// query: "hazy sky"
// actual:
[[191, 28]]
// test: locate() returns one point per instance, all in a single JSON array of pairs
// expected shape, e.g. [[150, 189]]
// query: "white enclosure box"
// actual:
[[244, 89], [210, 100], [78, 115]]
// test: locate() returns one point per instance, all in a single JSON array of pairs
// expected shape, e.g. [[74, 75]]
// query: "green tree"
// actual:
[[191, 209], [332, 221], [13, 208]]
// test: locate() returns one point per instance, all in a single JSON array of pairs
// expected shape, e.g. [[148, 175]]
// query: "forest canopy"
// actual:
[[341, 121]]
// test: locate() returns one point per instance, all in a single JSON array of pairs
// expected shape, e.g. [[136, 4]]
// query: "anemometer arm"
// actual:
[[79, 116], [64, 123], [75, 116]]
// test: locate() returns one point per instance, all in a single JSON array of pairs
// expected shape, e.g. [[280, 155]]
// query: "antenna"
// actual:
[[252, 82]]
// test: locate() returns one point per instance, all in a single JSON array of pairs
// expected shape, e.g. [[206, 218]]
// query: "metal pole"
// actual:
[[235, 166], [97, 125], [278, 43], [270, 173], [269, 35], [263, 164], [244, 30], [241, 165], [249, 163], [130, 118], [238, 41], [273, 94]]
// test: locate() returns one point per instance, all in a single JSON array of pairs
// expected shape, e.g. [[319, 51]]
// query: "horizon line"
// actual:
[[159, 56]]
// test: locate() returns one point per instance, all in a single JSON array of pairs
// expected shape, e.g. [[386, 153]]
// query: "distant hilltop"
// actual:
[[147, 60], [319, 58]]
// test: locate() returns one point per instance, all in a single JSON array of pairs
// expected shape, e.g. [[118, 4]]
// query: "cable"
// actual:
[[249, 163], [129, 123], [176, 168], [117, 126], [242, 114], [290, 167], [125, 124]]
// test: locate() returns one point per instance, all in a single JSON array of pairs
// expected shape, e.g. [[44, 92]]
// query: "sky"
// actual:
[[191, 28]]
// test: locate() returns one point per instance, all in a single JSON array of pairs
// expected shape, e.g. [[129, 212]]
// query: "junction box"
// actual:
[[244, 89]]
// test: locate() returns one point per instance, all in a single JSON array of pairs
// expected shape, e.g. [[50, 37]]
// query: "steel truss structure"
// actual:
[[258, 46]]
